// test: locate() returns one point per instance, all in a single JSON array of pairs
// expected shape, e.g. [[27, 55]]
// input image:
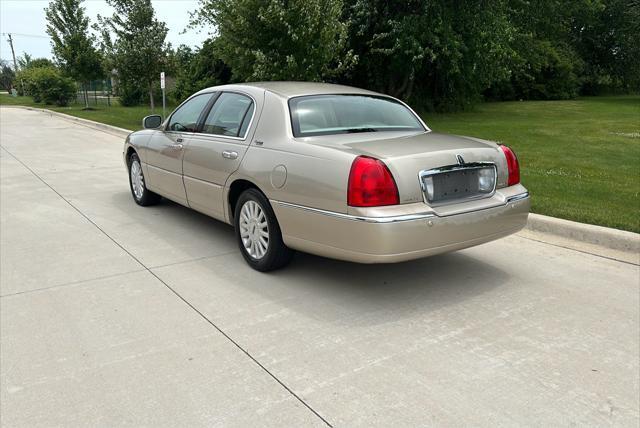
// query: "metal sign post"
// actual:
[[164, 102]]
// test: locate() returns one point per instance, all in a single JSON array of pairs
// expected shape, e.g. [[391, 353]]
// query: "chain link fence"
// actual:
[[98, 93]]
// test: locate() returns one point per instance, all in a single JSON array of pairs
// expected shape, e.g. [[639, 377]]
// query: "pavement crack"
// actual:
[[203, 316]]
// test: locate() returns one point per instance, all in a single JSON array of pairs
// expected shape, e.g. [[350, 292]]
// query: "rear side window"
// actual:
[[229, 116], [185, 119], [343, 114]]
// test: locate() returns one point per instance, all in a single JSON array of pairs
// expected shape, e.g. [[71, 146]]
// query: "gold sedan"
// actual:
[[331, 170]]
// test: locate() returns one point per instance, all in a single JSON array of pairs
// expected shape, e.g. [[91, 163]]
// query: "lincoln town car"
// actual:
[[326, 169]]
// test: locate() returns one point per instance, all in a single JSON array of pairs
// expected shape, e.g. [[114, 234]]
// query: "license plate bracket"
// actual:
[[454, 183]]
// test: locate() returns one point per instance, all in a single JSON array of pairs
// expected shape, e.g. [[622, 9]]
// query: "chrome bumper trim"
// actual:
[[391, 219], [519, 197]]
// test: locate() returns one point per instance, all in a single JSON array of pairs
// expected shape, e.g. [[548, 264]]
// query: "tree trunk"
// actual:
[[153, 106], [86, 96], [409, 89]]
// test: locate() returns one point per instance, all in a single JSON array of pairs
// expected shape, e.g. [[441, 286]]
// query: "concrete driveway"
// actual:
[[113, 314]]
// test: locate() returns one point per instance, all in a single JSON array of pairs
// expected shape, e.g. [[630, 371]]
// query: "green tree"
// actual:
[[545, 64], [198, 70], [73, 46], [564, 48], [607, 38], [7, 75], [438, 54], [278, 39], [138, 50], [27, 61]]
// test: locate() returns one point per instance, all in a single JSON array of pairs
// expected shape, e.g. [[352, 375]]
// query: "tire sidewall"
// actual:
[[275, 245], [143, 201]]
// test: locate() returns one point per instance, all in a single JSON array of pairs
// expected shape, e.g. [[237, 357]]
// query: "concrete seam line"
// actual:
[[197, 259], [72, 283], [579, 251], [606, 237], [236, 344]]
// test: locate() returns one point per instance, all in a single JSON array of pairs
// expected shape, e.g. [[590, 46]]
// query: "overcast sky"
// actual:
[[25, 19]]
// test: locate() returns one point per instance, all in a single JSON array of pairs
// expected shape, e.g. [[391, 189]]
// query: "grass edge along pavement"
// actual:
[[580, 159]]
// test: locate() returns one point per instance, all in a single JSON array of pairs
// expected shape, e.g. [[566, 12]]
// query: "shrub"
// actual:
[[46, 84], [7, 75], [24, 82], [130, 94]]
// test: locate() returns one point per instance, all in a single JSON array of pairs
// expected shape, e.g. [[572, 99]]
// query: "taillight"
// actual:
[[371, 184], [512, 165]]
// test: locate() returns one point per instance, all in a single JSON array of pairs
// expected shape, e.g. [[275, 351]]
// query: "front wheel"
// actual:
[[139, 191], [258, 233]]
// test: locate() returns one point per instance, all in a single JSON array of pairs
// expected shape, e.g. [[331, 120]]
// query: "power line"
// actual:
[[27, 35]]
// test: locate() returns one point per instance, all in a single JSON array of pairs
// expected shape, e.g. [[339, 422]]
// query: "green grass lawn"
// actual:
[[580, 159], [123, 117]]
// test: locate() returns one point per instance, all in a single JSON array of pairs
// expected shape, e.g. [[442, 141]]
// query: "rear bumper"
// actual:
[[404, 236]]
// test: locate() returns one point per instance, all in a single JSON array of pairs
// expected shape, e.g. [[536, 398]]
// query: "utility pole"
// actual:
[[15, 63]]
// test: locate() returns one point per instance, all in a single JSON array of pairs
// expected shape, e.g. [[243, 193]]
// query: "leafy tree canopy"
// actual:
[[7, 75], [195, 70], [278, 39], [73, 46], [137, 49], [436, 53], [27, 61]]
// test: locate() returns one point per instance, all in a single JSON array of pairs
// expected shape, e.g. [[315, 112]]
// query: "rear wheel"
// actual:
[[258, 233], [139, 191]]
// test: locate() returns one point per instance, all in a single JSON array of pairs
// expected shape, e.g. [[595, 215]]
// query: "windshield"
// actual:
[[343, 114]]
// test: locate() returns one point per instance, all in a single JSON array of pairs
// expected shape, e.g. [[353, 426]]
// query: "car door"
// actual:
[[216, 151], [165, 149]]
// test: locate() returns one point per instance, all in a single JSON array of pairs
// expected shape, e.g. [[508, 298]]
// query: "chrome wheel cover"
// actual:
[[137, 180], [254, 230]]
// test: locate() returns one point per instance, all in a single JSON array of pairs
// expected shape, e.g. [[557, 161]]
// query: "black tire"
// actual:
[[277, 254], [147, 197]]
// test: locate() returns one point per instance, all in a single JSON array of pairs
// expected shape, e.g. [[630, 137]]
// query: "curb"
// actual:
[[597, 235], [84, 122], [603, 236]]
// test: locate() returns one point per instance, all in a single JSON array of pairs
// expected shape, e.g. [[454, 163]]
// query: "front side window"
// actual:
[[185, 119], [343, 114], [229, 116]]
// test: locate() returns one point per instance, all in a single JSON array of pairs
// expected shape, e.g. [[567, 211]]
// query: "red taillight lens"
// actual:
[[371, 184], [512, 165]]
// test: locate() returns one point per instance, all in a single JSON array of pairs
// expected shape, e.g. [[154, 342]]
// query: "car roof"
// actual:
[[296, 89]]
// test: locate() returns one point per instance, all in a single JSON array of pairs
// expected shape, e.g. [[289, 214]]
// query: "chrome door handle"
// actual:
[[179, 140], [227, 154], [176, 146]]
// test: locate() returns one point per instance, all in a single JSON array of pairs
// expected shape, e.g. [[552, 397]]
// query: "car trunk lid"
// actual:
[[409, 155]]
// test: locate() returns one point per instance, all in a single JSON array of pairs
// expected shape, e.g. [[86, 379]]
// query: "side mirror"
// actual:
[[152, 122]]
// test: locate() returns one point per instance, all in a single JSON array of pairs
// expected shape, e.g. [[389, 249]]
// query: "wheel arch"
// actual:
[[130, 151], [236, 188]]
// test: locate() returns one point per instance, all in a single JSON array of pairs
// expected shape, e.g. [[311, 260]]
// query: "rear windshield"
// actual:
[[344, 114]]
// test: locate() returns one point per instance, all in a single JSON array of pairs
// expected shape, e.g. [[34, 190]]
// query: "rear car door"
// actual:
[[165, 149], [214, 153]]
